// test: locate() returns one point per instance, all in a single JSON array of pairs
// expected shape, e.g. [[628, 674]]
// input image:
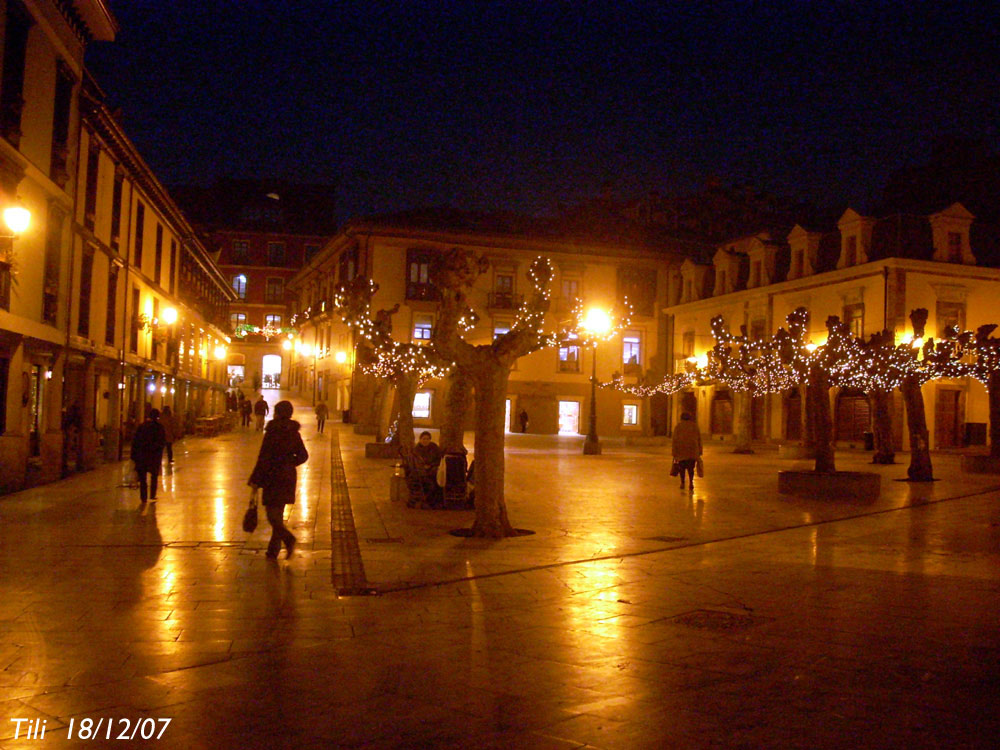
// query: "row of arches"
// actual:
[[852, 415]]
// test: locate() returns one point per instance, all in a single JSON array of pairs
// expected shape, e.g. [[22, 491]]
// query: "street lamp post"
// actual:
[[596, 323]]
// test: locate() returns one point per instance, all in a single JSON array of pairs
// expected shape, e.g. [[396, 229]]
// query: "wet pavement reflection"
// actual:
[[638, 615]]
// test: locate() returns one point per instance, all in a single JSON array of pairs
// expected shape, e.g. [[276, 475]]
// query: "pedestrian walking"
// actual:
[[322, 412], [281, 451], [686, 447], [523, 419], [246, 411], [260, 410], [169, 432], [147, 453]]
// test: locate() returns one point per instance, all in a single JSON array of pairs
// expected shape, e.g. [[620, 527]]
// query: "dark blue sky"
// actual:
[[521, 105]]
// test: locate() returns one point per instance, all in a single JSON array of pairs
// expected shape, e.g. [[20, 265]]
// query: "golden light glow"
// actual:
[[701, 362], [597, 322], [811, 347], [917, 343], [17, 218], [306, 350], [341, 357], [220, 352], [170, 316], [286, 345]]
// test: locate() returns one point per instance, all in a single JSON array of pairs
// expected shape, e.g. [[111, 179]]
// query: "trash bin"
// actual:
[[869, 441]]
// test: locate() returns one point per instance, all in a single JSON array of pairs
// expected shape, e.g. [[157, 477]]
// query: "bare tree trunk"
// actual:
[[491, 509], [457, 404], [808, 424], [406, 386], [744, 426], [882, 428], [383, 411], [818, 403], [920, 469], [994, 396]]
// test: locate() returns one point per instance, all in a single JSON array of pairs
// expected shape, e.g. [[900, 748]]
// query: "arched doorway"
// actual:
[[853, 415], [722, 413], [793, 415], [271, 371]]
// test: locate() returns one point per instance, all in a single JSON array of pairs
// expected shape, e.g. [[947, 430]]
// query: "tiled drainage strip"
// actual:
[[347, 571], [715, 620]]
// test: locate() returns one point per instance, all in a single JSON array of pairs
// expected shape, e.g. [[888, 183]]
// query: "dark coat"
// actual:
[[147, 446], [281, 451]]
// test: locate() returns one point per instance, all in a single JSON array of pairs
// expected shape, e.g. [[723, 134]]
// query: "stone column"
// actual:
[[52, 437], [87, 458], [14, 439]]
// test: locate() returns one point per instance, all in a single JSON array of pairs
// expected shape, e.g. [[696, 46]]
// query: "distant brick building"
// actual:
[[262, 232]]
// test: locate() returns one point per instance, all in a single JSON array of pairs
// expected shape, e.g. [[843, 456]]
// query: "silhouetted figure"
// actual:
[[523, 419], [322, 412], [281, 451], [260, 411], [686, 447], [246, 411], [147, 453], [169, 432]]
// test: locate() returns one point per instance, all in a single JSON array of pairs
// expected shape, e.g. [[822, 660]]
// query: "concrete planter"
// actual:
[[794, 451], [977, 464], [381, 450], [840, 485]]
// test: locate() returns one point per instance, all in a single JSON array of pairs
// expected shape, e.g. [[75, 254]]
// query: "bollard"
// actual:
[[397, 484]]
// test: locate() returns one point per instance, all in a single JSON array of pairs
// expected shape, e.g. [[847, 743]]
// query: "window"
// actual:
[[50, 279], [158, 254], [86, 278], [173, 266], [418, 279], [950, 314], [240, 285], [851, 251], [273, 320], [758, 329], [630, 415], [4, 369], [133, 336], [140, 220], [688, 291], [347, 265], [116, 212], [687, 345], [109, 315], [275, 253], [954, 247], [60, 124], [90, 194], [422, 405], [15, 46], [500, 328], [722, 283], [423, 327], [639, 286], [854, 318], [631, 348], [569, 358], [240, 251], [570, 289], [274, 292], [755, 274], [797, 268], [237, 319]]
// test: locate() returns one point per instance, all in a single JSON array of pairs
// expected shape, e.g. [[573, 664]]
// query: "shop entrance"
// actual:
[[569, 417], [271, 371]]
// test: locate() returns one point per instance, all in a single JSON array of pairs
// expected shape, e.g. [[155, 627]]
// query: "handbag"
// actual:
[[250, 517], [675, 469], [699, 467]]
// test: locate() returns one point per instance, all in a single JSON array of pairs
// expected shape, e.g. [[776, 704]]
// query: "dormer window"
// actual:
[[722, 283], [954, 247], [851, 251], [755, 273], [796, 264]]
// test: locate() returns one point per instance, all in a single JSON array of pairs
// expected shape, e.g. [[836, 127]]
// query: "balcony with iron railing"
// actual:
[[504, 300]]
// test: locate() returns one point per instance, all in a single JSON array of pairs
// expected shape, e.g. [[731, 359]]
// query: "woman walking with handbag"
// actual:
[[686, 447], [275, 473]]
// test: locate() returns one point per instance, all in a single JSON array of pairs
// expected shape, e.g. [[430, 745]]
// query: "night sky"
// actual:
[[521, 106]]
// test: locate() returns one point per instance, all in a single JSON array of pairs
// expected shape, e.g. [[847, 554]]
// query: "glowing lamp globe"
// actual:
[[341, 357], [17, 218], [597, 321], [170, 316]]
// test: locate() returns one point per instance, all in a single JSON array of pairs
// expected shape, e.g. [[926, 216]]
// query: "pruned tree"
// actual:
[[920, 468], [749, 367], [487, 367], [402, 366], [987, 371]]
